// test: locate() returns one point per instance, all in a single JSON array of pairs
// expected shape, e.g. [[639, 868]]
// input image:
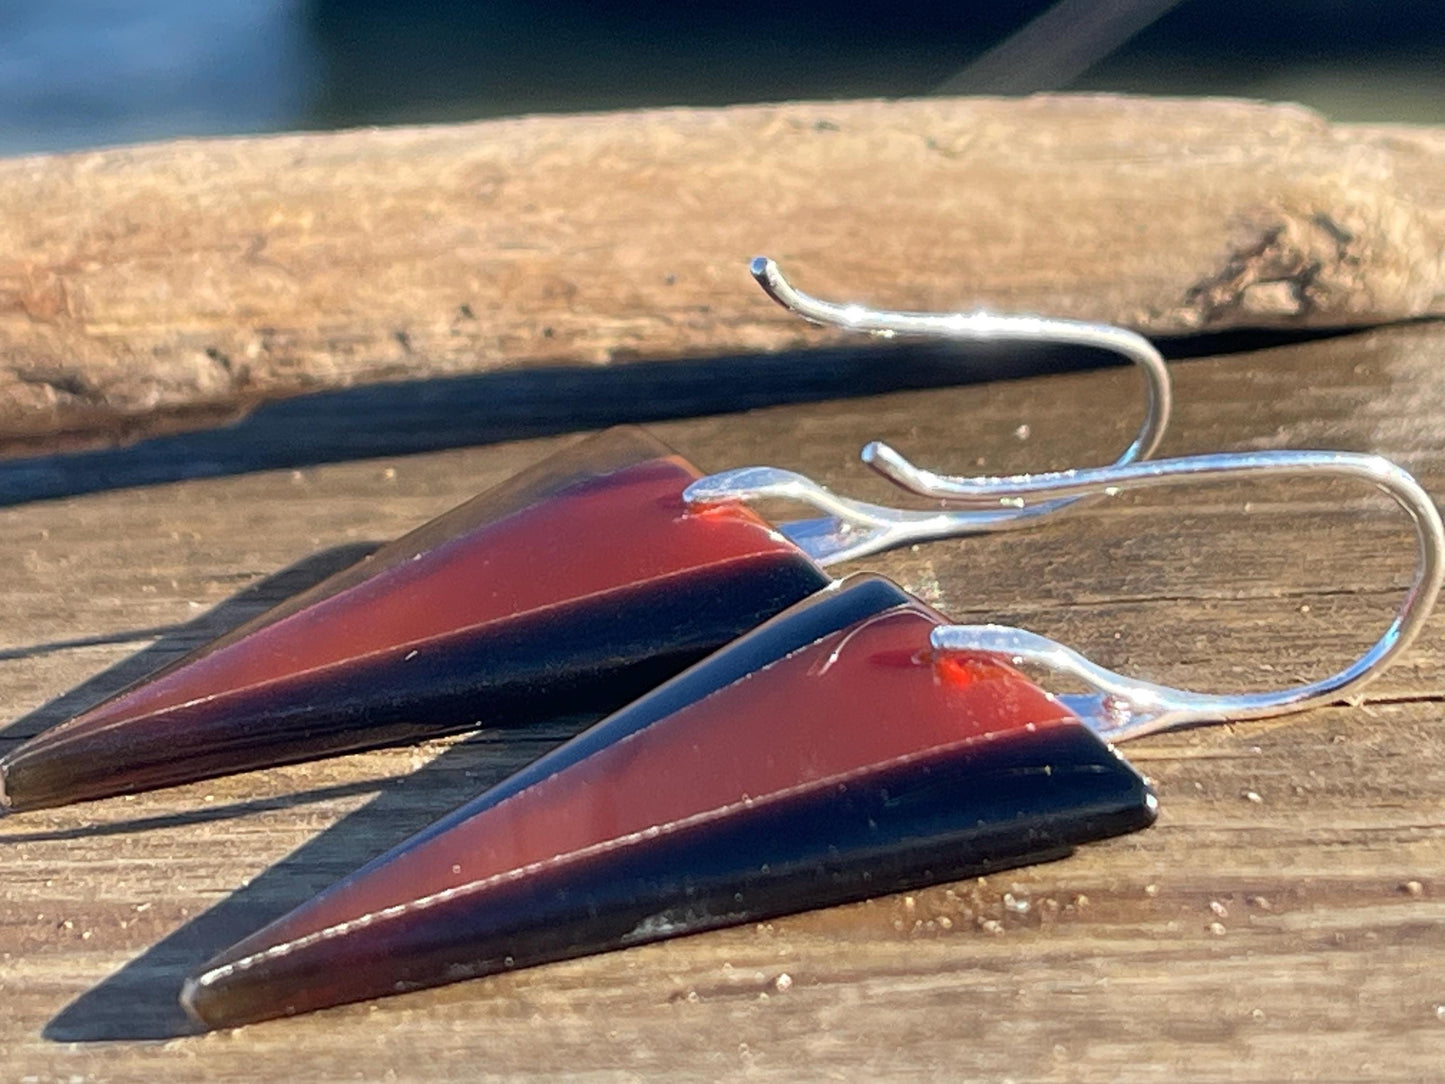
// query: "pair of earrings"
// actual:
[[846, 741], [571, 589]]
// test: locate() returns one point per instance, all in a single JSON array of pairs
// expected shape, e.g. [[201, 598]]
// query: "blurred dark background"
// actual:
[[78, 73]]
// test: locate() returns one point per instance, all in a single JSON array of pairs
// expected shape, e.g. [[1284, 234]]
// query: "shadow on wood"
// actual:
[[140, 1001], [174, 640], [487, 408]]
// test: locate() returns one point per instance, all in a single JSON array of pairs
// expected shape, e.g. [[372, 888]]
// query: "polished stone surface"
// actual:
[[824, 757], [568, 590]]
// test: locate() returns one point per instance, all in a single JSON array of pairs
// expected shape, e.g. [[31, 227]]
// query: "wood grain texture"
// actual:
[[1284, 920], [172, 286]]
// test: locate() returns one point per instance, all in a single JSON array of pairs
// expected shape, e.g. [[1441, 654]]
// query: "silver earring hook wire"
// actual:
[[1123, 707], [992, 327], [852, 529], [849, 529]]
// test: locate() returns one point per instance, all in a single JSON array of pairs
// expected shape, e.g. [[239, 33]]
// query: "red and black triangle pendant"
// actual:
[[568, 590], [826, 756]]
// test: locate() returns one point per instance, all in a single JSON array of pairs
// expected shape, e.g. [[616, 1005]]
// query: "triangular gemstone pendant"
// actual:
[[824, 757], [570, 589]]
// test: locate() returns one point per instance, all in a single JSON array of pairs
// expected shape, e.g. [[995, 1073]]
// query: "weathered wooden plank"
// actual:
[[173, 285], [1297, 935]]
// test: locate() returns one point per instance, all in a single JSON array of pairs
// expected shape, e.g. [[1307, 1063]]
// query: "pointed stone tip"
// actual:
[[193, 1002], [214, 1002], [15, 799], [1150, 805]]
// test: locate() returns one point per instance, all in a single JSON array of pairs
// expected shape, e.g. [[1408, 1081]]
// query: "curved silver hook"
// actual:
[[1125, 707], [987, 327], [852, 529]]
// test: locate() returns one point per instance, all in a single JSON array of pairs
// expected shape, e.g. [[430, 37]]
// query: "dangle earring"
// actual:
[[854, 745], [569, 590]]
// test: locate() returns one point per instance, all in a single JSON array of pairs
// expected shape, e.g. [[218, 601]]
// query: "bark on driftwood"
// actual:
[[160, 286]]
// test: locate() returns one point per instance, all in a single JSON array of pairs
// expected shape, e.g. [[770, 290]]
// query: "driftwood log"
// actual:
[[169, 286]]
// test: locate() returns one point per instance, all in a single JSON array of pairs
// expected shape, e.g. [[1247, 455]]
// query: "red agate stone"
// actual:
[[824, 757], [568, 590]]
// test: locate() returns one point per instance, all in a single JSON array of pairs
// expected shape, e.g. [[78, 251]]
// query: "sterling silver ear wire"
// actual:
[[992, 327], [1123, 707], [853, 529]]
